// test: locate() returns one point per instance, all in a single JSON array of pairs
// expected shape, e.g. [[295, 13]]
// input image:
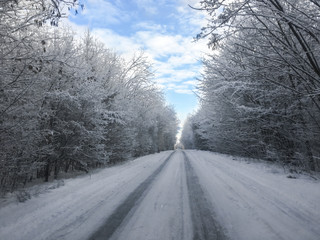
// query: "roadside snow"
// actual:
[[76, 210], [253, 201]]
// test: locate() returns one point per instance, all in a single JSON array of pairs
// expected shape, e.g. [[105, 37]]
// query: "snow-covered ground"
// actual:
[[258, 201], [77, 209], [154, 197]]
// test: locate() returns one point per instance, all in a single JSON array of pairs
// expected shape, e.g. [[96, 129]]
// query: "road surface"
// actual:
[[172, 195]]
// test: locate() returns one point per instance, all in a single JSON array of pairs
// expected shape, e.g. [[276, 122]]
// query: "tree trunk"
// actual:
[[311, 161], [56, 169], [47, 171]]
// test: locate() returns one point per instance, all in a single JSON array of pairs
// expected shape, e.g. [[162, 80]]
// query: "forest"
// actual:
[[260, 88], [70, 104], [67, 102]]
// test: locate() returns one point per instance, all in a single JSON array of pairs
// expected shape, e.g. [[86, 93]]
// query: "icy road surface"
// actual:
[[172, 195]]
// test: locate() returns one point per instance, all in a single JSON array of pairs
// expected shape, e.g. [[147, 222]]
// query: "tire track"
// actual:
[[205, 227], [129, 204]]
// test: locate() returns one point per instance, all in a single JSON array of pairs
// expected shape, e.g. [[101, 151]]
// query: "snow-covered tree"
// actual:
[[70, 103], [260, 90]]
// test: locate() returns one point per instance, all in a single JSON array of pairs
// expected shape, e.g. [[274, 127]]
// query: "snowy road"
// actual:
[[172, 195]]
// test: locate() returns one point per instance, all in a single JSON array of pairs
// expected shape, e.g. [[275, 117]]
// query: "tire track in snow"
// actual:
[[129, 204], [205, 227]]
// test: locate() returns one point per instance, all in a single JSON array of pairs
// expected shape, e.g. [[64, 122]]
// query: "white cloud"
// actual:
[[190, 2], [150, 26], [182, 59], [104, 12], [160, 45], [192, 82], [164, 80], [180, 88], [112, 40], [191, 20]]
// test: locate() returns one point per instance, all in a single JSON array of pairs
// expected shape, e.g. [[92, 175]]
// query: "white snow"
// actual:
[[253, 201], [164, 212], [77, 209], [250, 201]]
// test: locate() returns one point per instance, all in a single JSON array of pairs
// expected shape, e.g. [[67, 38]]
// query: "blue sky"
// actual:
[[164, 29]]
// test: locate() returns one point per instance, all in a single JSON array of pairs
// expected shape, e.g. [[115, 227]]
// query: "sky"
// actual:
[[164, 30]]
